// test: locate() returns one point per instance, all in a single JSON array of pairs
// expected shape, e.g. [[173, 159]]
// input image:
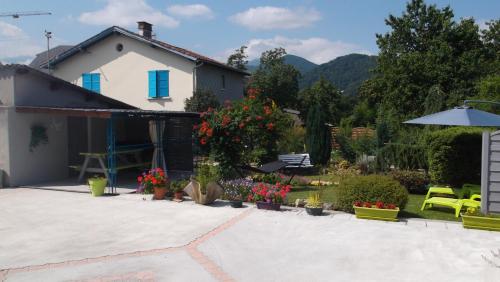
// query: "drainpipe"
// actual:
[[195, 79]]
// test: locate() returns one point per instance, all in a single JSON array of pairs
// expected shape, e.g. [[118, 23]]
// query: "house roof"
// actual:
[[190, 55], [41, 58], [89, 95]]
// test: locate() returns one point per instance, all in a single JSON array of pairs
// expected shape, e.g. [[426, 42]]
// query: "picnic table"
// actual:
[[125, 163]]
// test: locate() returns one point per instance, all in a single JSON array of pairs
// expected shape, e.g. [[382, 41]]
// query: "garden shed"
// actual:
[[50, 128]]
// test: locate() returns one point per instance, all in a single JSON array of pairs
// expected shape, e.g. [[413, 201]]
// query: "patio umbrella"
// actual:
[[464, 115]]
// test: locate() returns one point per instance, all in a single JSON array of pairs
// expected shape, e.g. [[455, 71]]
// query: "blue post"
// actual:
[[111, 155]]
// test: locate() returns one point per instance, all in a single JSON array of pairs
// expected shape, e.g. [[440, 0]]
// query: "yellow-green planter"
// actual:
[[481, 222], [97, 186], [378, 214]]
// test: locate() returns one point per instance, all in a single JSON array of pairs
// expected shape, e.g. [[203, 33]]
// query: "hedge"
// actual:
[[402, 156], [370, 188], [454, 155]]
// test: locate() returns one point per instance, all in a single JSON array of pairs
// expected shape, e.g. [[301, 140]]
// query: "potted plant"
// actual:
[[97, 184], [177, 187], [203, 188], [314, 205], [474, 219], [154, 181], [236, 190], [379, 211], [269, 197]]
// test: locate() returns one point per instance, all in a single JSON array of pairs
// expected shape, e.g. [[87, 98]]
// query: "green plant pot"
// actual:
[[481, 222], [378, 214], [97, 186]]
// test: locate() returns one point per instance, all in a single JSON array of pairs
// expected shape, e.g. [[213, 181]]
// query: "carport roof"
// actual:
[[106, 113]]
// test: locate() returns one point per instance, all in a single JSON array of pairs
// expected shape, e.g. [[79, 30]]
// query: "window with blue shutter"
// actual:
[[92, 81], [158, 84]]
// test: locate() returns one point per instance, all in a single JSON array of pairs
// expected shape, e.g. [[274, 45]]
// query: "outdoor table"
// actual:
[[439, 190], [100, 157]]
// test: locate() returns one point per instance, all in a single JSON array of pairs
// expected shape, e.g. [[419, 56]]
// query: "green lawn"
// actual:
[[412, 209]]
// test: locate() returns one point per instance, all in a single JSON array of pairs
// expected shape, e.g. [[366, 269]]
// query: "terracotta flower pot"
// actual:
[[159, 193], [179, 196]]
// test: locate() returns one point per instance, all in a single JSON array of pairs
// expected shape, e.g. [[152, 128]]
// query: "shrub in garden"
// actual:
[[318, 136], [370, 189], [242, 133], [413, 181], [402, 156], [454, 155]]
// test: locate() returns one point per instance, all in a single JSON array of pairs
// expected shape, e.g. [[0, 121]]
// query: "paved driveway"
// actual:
[[64, 236]]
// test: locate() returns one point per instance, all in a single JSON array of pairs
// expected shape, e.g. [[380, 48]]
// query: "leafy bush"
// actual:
[[402, 156], [413, 181], [318, 136], [201, 101], [293, 140], [370, 188], [346, 150], [454, 155]]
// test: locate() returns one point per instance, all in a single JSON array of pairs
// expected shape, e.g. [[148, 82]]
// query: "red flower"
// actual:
[[379, 205], [270, 126], [358, 204], [246, 108], [241, 125], [225, 121], [210, 132], [367, 204], [195, 127], [390, 206], [203, 141], [259, 118], [139, 179]]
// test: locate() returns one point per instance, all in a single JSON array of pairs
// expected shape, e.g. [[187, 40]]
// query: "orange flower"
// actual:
[[210, 132], [270, 126], [246, 108], [225, 120]]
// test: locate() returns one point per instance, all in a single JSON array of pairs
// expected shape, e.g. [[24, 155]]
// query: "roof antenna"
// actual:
[[48, 34]]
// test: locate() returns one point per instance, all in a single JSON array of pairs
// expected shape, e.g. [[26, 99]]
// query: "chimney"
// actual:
[[145, 29]]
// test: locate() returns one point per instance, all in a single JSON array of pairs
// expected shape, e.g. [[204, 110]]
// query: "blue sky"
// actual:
[[316, 30]]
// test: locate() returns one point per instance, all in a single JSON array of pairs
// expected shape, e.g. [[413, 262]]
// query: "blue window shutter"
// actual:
[[152, 84], [163, 79], [87, 81], [96, 82]]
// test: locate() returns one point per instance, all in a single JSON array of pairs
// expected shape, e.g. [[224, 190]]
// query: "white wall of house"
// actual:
[[124, 75], [47, 162]]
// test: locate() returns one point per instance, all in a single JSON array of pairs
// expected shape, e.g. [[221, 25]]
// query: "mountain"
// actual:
[[301, 64], [346, 72]]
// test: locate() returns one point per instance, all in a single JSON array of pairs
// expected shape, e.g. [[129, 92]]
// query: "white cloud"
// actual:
[[126, 13], [15, 45], [191, 11], [268, 17], [315, 49]]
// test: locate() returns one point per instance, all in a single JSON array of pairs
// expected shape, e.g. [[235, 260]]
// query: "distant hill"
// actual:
[[301, 64], [346, 72]]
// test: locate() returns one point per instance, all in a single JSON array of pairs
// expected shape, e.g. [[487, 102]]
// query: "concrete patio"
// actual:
[[66, 236]]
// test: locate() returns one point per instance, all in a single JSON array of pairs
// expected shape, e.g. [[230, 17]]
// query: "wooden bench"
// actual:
[[296, 160]]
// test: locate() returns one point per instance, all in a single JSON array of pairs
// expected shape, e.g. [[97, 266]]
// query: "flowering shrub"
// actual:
[[378, 205], [153, 178], [269, 193], [237, 189], [244, 132]]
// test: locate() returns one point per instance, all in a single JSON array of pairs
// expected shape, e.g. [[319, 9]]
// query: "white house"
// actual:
[[142, 71]]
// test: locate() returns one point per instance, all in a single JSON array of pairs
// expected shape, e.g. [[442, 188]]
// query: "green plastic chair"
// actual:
[[456, 204]]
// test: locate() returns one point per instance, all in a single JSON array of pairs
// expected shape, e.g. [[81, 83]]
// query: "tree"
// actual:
[[201, 101], [426, 48], [275, 79], [318, 136], [322, 93], [238, 59]]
